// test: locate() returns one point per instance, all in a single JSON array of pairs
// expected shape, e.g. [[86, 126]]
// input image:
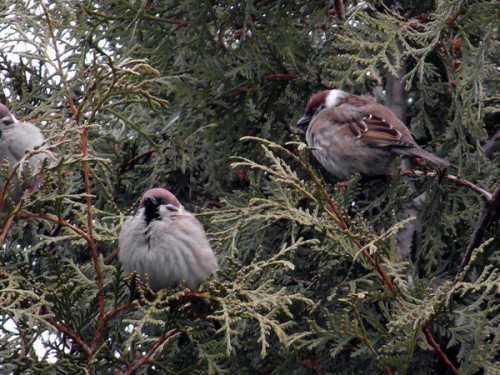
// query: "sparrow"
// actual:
[[166, 242], [18, 138], [351, 134]]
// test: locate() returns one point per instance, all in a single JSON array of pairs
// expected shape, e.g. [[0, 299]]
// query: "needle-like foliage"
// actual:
[[201, 97]]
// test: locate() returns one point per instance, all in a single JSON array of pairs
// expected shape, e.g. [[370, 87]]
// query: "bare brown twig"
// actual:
[[437, 349], [8, 223], [75, 336], [54, 219], [147, 358], [142, 158], [455, 179], [281, 76], [489, 214]]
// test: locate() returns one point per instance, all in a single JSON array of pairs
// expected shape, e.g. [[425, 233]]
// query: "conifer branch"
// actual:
[[91, 240], [74, 335], [489, 215], [455, 179], [8, 223], [437, 349], [26, 215], [492, 146], [149, 355]]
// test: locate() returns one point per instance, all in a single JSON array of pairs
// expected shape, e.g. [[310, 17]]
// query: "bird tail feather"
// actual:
[[426, 155]]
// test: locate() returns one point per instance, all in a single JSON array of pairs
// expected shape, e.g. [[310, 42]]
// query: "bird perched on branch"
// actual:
[[166, 242], [352, 134], [18, 138]]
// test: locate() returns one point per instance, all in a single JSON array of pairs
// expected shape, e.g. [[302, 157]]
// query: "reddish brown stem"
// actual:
[[75, 336], [437, 349], [129, 164], [281, 76], [6, 229], [91, 241], [340, 9], [110, 257], [117, 310], [455, 179], [102, 322], [54, 219], [388, 283], [489, 215], [343, 225], [147, 358]]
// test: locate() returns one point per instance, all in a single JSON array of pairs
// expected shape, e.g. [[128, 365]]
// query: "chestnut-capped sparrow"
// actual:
[[166, 242], [351, 134]]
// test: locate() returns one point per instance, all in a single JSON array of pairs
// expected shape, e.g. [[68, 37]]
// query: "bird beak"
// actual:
[[150, 202], [7, 120], [304, 121]]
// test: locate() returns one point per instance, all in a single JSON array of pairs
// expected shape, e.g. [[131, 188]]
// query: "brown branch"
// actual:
[[492, 146], [437, 349], [147, 358], [75, 336], [340, 9], [109, 259], [177, 22], [102, 322], [12, 174], [54, 219], [117, 310], [281, 76], [489, 214], [333, 208], [129, 164], [455, 179], [91, 241], [8, 223]]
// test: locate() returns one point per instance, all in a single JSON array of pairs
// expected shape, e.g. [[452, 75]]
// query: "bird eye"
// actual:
[[319, 109]]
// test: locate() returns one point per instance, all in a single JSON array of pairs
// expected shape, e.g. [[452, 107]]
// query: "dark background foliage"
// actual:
[[312, 277]]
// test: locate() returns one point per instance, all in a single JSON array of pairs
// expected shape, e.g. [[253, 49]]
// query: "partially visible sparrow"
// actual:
[[166, 242], [351, 134], [18, 138]]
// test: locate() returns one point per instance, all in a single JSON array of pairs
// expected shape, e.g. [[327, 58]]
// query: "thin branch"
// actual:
[[75, 336], [109, 259], [492, 146], [455, 179], [12, 174], [437, 349], [177, 22], [91, 241], [489, 214], [147, 358], [340, 9], [9, 222], [117, 310], [281, 76], [130, 164], [54, 219], [334, 211], [56, 50]]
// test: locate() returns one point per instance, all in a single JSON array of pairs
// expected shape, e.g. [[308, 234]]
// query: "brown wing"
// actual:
[[377, 132], [372, 123]]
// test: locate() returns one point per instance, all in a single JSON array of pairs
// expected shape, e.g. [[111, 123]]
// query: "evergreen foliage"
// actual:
[[201, 97]]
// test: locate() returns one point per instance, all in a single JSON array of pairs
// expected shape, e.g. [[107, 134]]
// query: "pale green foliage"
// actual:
[[201, 97]]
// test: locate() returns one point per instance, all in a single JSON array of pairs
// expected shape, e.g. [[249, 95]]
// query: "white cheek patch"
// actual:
[[333, 98]]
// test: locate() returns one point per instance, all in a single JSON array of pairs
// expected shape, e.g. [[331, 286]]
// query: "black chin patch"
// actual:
[[151, 210]]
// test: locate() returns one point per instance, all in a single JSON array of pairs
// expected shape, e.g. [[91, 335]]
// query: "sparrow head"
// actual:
[[6, 118], [326, 99], [153, 199]]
